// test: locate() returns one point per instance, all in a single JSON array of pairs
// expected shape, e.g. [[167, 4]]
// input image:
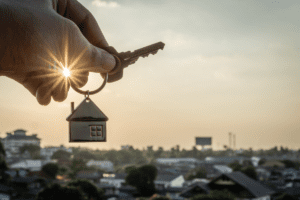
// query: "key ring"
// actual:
[[88, 93]]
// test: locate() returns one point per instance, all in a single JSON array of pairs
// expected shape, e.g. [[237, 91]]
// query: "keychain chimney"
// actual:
[[72, 107]]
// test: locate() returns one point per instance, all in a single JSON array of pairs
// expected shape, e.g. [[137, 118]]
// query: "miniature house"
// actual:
[[87, 123]]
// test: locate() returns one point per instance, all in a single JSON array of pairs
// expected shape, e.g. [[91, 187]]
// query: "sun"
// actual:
[[66, 72]]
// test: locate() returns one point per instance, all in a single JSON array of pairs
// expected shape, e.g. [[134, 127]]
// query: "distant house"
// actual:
[[195, 181], [13, 142], [31, 165], [290, 172], [225, 160], [167, 180], [270, 164], [255, 161], [126, 192], [49, 151], [172, 192], [90, 175], [102, 164], [242, 186], [292, 188], [222, 169], [116, 180], [184, 162], [262, 174], [17, 172], [6, 192], [109, 190], [27, 187], [195, 189], [236, 182]]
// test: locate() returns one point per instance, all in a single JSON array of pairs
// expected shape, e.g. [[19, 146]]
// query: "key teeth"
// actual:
[[154, 52]]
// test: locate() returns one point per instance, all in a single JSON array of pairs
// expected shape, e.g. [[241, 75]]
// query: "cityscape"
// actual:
[[27, 170]]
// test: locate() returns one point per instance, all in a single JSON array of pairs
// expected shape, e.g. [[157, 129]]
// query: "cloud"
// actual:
[[100, 3]]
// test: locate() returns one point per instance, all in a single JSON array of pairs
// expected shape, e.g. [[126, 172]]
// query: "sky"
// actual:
[[227, 66]]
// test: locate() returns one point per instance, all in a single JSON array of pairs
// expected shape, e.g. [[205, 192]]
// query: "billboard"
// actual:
[[203, 140]]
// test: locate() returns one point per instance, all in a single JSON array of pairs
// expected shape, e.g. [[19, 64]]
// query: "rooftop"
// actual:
[[21, 137], [87, 111], [254, 187]]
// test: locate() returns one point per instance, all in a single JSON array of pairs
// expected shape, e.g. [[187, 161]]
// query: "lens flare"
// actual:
[[62, 69], [66, 72]]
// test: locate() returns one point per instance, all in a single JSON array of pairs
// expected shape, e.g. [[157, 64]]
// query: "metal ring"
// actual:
[[87, 95], [90, 92]]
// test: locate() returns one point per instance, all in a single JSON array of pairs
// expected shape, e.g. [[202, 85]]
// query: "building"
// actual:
[[243, 187], [107, 165], [90, 175], [166, 180], [31, 165], [13, 142], [117, 180], [222, 169], [179, 162], [48, 152]]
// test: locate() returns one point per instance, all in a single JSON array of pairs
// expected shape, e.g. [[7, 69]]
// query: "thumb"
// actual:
[[85, 57]]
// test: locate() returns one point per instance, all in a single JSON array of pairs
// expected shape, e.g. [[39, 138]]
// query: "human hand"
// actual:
[[117, 72], [39, 38]]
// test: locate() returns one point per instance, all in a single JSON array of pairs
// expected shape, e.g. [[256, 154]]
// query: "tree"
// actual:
[[62, 170], [85, 155], [88, 189], [51, 169], [250, 172], [112, 155], [125, 157], [194, 152], [285, 196], [33, 149], [129, 168], [262, 161], [159, 152], [3, 166], [161, 198], [235, 166], [173, 153], [215, 195], [143, 179], [289, 164], [56, 191], [198, 173], [76, 166], [2, 150], [61, 154]]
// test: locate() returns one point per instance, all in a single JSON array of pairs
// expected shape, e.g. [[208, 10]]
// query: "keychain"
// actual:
[[87, 123]]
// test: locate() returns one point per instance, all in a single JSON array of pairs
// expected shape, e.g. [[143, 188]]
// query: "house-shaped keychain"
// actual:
[[87, 123]]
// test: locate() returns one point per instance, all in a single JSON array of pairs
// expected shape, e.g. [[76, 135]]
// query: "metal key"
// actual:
[[131, 57]]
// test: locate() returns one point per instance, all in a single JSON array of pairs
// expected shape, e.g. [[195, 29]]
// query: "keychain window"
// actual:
[[96, 131]]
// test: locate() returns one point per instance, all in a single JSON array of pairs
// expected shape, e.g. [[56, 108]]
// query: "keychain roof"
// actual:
[[87, 111]]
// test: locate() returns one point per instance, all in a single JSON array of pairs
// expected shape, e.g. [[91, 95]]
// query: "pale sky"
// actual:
[[227, 66]]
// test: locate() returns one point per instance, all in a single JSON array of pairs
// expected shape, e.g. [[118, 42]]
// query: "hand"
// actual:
[[39, 38], [117, 72]]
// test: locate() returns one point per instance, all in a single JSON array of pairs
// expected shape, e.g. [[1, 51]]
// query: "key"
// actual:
[[132, 57]]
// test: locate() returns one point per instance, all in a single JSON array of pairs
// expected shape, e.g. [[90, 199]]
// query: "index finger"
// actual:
[[83, 18]]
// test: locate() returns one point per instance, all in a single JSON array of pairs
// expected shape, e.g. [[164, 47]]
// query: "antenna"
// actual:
[[234, 147], [229, 140]]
